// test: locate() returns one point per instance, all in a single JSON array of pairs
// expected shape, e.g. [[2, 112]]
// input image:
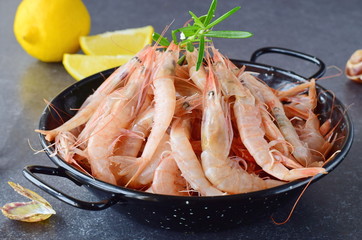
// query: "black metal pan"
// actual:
[[189, 213]]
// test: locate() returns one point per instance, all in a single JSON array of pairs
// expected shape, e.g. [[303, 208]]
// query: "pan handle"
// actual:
[[309, 58], [29, 173]]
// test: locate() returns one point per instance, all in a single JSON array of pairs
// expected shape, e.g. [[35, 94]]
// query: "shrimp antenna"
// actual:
[[159, 39], [331, 131], [295, 204], [338, 74], [333, 100], [51, 107]]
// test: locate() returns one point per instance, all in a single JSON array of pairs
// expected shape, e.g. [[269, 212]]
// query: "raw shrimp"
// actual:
[[94, 100], [287, 161], [65, 147], [169, 129], [185, 88], [187, 160], [124, 168], [272, 132], [168, 180], [131, 145], [249, 127], [102, 111], [110, 127], [126, 165], [181, 72], [128, 143], [300, 151], [165, 103], [310, 134], [295, 90], [233, 68], [216, 137], [299, 105], [185, 105]]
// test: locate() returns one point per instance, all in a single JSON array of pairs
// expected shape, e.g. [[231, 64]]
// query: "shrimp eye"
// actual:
[[211, 94], [186, 105], [173, 63], [137, 59]]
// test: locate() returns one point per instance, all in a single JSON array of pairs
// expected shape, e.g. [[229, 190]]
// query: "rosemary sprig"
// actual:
[[201, 31]]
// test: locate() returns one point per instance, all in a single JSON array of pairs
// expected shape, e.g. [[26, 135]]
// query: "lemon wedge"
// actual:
[[80, 66], [127, 41]]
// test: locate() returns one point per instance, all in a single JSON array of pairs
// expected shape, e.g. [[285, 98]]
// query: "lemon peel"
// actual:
[[80, 66], [120, 42]]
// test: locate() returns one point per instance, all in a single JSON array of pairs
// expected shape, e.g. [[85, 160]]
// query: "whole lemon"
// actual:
[[48, 29]]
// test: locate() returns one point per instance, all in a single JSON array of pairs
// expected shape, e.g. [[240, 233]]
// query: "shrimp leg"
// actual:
[[124, 168], [132, 145], [168, 180]]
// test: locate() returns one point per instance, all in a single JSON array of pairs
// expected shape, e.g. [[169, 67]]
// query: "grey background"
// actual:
[[328, 29]]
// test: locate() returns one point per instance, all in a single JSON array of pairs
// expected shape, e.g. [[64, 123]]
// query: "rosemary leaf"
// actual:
[[189, 30], [196, 20], [190, 47], [200, 32], [210, 13], [200, 57], [223, 17], [228, 34], [162, 40]]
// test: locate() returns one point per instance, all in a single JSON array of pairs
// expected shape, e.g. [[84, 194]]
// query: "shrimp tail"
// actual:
[[307, 172], [139, 167], [49, 134], [124, 168], [273, 183]]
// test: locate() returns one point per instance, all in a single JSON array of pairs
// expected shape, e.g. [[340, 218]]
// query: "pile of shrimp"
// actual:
[[158, 126]]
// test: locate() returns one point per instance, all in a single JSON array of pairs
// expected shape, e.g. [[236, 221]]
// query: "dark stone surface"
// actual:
[[328, 29]]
